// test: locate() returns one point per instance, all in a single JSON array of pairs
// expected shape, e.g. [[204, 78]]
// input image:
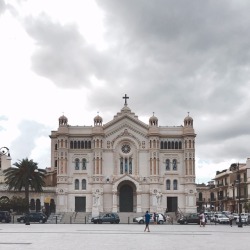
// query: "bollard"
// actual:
[[85, 220], [70, 222], [128, 220], [56, 219], [13, 219]]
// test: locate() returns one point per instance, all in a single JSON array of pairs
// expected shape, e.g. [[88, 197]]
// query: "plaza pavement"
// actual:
[[122, 237]]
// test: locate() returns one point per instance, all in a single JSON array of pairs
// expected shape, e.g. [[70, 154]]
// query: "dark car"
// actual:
[[106, 218], [5, 216], [33, 217], [189, 219]]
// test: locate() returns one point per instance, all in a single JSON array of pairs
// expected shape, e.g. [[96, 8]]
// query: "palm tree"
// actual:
[[25, 175]]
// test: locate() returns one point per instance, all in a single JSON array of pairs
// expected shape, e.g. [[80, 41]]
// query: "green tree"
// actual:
[[25, 176]]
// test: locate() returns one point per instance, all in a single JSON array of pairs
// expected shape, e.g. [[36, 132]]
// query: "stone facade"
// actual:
[[124, 165]]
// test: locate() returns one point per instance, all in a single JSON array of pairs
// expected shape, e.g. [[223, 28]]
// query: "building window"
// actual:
[[174, 164], [84, 184], [167, 184], [126, 165], [84, 164], [200, 196], [76, 184], [167, 165], [76, 164], [175, 185]]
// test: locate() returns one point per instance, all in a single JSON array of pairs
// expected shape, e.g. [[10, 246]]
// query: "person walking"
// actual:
[[147, 220], [202, 219]]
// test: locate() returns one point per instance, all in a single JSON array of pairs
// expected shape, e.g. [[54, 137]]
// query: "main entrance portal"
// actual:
[[80, 204], [126, 198]]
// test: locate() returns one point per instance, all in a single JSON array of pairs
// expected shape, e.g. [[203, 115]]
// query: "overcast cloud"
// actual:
[[169, 57]]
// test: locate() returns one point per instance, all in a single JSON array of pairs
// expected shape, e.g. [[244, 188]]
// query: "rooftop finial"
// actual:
[[125, 97]]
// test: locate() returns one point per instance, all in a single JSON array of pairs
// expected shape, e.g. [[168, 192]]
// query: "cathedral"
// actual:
[[124, 165]]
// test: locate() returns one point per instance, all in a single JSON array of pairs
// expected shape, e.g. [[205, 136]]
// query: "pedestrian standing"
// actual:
[[147, 220], [231, 218], [155, 218]]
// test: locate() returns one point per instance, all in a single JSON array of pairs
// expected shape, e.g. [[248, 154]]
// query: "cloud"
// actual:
[[169, 57], [29, 133]]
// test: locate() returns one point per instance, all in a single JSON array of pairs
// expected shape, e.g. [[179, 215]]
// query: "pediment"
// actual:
[[126, 177], [127, 115]]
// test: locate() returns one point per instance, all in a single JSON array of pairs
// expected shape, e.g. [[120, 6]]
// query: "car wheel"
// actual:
[[3, 220], [111, 222], [141, 222], [160, 222], [95, 222], [117, 222], [22, 220], [100, 222], [185, 222], [41, 221]]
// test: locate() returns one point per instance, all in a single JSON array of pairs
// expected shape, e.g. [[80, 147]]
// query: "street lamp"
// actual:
[[28, 211], [236, 169]]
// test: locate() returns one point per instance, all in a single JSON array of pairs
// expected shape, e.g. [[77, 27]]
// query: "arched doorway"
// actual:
[[126, 197]]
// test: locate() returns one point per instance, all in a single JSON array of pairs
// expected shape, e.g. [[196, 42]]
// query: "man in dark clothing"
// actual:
[[147, 220]]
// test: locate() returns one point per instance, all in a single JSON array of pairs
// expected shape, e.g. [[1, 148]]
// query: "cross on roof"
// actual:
[[125, 97]]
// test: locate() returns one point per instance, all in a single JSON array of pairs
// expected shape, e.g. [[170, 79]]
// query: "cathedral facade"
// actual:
[[124, 165]]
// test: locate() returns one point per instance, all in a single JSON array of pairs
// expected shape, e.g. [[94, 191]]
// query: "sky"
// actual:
[[79, 58]]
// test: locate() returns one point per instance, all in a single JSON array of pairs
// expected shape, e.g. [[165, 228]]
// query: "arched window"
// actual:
[[32, 204], [175, 185], [75, 144], [76, 164], [71, 144], [84, 184], [38, 205], [168, 184], [167, 165], [56, 146], [169, 145], [82, 144], [76, 184], [174, 164], [84, 164], [89, 144], [162, 145], [200, 196], [212, 196], [180, 145], [176, 145], [165, 145]]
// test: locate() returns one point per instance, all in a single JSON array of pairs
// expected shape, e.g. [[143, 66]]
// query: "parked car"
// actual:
[[5, 216], [222, 219], [245, 218], [106, 218], [214, 218], [189, 219], [160, 218], [33, 217]]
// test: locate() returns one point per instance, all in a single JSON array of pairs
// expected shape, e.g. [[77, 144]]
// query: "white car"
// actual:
[[222, 219], [160, 219]]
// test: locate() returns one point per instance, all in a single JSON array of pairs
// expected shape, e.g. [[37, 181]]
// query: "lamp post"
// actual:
[[28, 192], [236, 169]]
